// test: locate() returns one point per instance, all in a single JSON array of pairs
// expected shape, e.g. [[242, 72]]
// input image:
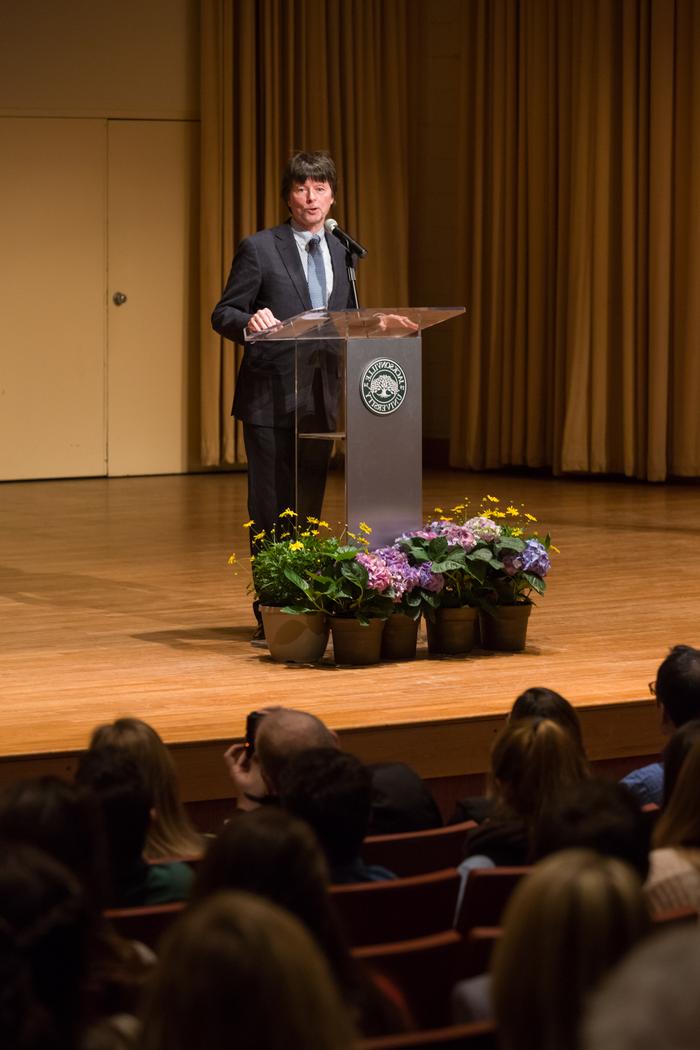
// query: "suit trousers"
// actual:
[[272, 474]]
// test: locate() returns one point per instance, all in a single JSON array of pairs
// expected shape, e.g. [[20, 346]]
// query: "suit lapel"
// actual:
[[289, 253]]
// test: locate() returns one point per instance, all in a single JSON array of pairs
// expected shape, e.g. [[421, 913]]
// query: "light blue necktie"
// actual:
[[317, 273]]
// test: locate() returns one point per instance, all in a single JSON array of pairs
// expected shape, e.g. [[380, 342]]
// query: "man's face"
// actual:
[[309, 202]]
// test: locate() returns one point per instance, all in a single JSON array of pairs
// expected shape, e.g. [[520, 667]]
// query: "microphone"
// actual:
[[345, 239]]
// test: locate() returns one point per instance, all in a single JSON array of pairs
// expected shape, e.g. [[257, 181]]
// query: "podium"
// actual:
[[357, 386]]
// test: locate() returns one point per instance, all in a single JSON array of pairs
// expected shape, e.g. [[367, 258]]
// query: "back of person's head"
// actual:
[[401, 800], [675, 754], [599, 815], [566, 925], [317, 165], [272, 853], [650, 1001], [678, 684], [283, 733], [532, 761], [63, 820], [679, 823], [124, 800], [45, 942], [237, 971], [539, 702], [332, 791], [171, 833]]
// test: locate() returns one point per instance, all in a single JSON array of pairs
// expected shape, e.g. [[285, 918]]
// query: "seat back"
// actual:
[[146, 924], [418, 852], [486, 894], [424, 969], [398, 909], [479, 1036], [479, 944]]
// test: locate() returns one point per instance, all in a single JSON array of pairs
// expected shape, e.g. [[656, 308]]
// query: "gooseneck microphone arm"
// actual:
[[352, 248]]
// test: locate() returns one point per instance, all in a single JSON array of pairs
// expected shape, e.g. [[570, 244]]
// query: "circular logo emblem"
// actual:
[[383, 386]]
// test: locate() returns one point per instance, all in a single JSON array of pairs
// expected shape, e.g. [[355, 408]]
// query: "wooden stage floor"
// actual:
[[116, 598]]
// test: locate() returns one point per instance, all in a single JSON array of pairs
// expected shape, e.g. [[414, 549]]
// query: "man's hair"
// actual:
[[678, 684], [124, 800], [318, 166], [284, 733], [597, 815], [332, 791]]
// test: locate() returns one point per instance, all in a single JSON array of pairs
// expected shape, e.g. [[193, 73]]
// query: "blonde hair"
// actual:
[[170, 834], [679, 824], [567, 924], [237, 970], [533, 760]]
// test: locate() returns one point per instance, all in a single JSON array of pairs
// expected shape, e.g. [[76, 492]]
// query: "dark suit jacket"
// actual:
[[267, 272]]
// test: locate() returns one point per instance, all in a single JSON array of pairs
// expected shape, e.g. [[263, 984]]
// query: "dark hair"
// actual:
[[675, 754], [62, 819], [45, 935], [539, 702], [332, 791], [597, 815], [124, 800], [678, 684], [317, 166], [275, 855]]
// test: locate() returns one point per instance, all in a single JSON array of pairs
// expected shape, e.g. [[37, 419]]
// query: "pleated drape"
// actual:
[[581, 258], [280, 76]]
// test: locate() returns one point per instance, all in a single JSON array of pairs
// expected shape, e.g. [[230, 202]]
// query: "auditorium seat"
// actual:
[[479, 944], [486, 894], [425, 970], [146, 924], [676, 917], [418, 852], [398, 909], [479, 1036]]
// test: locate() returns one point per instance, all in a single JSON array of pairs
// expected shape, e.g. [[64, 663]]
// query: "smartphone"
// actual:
[[251, 727]]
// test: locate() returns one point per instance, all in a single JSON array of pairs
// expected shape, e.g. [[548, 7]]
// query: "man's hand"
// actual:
[[393, 323], [246, 776], [262, 320]]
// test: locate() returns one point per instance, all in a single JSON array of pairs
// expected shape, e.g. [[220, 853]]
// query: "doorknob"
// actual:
[[119, 298]]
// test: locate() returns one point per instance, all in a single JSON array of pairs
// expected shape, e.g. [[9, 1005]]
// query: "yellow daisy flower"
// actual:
[[259, 535], [296, 546], [248, 524], [364, 527], [288, 513]]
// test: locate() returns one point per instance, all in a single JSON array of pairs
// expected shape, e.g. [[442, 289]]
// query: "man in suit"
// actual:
[[276, 274]]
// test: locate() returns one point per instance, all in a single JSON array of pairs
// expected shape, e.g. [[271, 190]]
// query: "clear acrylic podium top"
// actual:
[[386, 322]]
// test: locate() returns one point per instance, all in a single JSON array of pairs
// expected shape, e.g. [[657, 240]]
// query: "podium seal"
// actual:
[[383, 386]]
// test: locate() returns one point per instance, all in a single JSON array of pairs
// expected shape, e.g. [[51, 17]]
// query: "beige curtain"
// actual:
[[284, 75], [580, 160]]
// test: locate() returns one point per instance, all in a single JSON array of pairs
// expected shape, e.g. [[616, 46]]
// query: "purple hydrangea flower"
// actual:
[[379, 576], [401, 572], [535, 558], [512, 564], [460, 535], [483, 528], [429, 580]]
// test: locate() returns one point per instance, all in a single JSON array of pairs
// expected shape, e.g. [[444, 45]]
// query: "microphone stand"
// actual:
[[352, 276]]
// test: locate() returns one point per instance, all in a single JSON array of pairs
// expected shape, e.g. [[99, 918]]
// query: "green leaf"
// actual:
[[296, 579]]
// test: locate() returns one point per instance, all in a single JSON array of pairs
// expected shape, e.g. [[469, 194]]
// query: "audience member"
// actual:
[[273, 854], [400, 799], [650, 1001], [567, 924], [677, 691], [533, 761], [63, 820], [536, 702], [674, 875], [597, 815], [675, 754], [237, 971], [125, 803], [45, 942], [332, 791], [170, 833]]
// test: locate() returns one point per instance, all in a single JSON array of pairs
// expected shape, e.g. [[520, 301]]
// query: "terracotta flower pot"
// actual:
[[299, 638], [355, 643], [453, 632], [507, 630], [400, 637]]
